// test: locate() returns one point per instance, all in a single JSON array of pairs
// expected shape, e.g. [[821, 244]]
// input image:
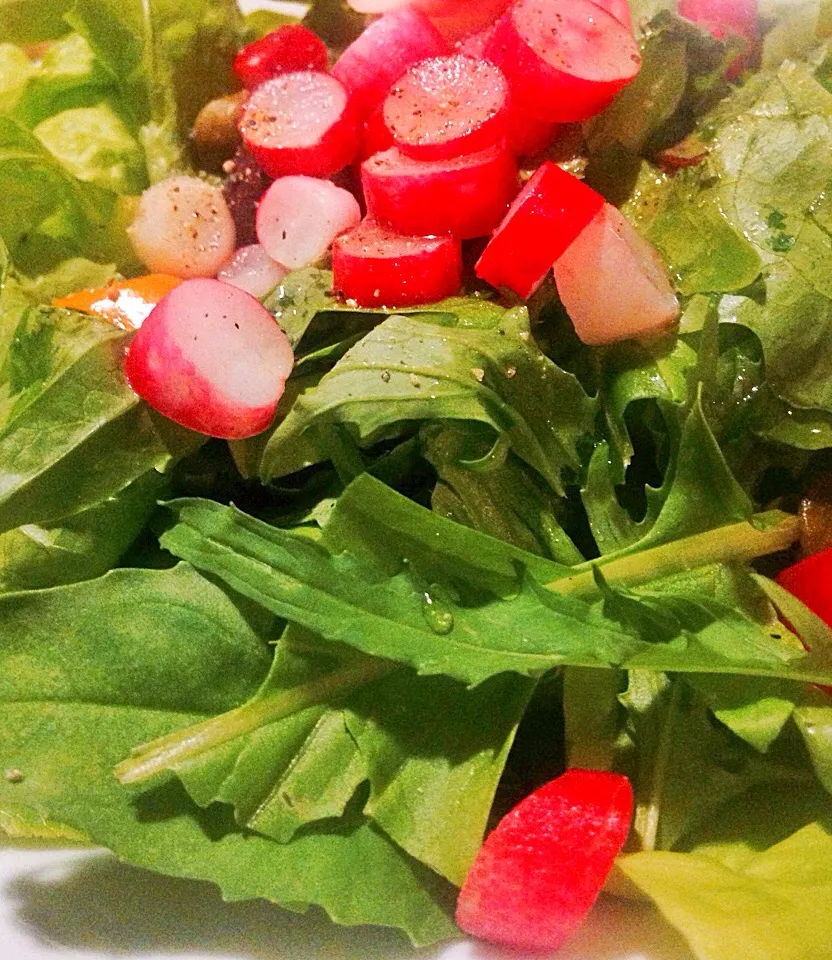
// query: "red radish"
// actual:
[[383, 52], [299, 217], [376, 137], [529, 136], [475, 43], [300, 123], [726, 18], [183, 227], [540, 871], [253, 270], [548, 214], [285, 50], [565, 60], [613, 283], [466, 196], [455, 19], [212, 358], [376, 267], [447, 106], [810, 581], [620, 9]]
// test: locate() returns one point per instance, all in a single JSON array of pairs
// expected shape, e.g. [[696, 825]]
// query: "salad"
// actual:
[[354, 559]]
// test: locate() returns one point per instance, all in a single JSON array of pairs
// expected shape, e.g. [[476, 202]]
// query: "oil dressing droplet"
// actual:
[[437, 614]]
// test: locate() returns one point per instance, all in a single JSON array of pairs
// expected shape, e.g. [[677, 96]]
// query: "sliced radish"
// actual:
[[447, 106], [285, 50], [613, 283], [466, 196], [383, 52], [376, 267], [564, 59], [300, 123], [620, 9], [375, 137], [529, 136], [540, 871], [548, 214], [299, 217], [253, 270], [455, 19], [183, 226], [475, 43], [212, 358], [724, 19]]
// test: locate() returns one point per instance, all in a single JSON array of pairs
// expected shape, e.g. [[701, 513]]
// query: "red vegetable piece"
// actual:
[[726, 18], [613, 283], [565, 60], [455, 19], [529, 136], [376, 137], [286, 50], [810, 581], [548, 214], [447, 106], [620, 9], [300, 123], [475, 43], [466, 196], [376, 267], [540, 871], [212, 358], [382, 53]]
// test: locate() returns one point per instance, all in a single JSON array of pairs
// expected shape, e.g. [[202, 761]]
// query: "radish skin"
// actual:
[[287, 49], [613, 283], [211, 358], [299, 217], [183, 227], [253, 270], [375, 267]]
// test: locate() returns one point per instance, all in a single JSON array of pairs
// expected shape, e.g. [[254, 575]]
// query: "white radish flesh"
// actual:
[[613, 283], [253, 270], [299, 217], [183, 227], [211, 358]]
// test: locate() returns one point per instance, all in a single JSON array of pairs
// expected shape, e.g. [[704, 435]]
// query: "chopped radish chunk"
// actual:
[[376, 137], [549, 213], [183, 227], [466, 196], [376, 267], [383, 52], [446, 106], [613, 283], [299, 217], [300, 123], [620, 9], [540, 871], [212, 358], [285, 50], [564, 59], [253, 270], [724, 19]]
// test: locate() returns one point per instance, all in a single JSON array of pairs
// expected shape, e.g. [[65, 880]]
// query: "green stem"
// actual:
[[647, 817], [159, 755], [737, 543]]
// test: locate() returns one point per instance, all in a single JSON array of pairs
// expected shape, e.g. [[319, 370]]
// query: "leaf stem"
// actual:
[[647, 818], [160, 755], [738, 542]]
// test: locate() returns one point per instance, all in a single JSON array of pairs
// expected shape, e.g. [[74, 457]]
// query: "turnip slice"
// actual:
[[300, 123], [383, 52], [466, 196], [376, 267], [299, 217], [183, 227], [212, 358], [565, 60], [287, 49], [253, 270], [613, 283], [549, 213], [447, 106]]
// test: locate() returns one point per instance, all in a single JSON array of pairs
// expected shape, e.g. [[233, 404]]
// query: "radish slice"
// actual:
[[375, 267], [289, 48], [565, 60], [475, 43], [455, 19], [300, 123], [212, 358], [613, 283], [724, 19], [376, 137], [540, 871], [253, 270], [550, 212], [183, 227], [299, 217], [529, 136], [447, 106], [383, 52], [466, 196], [620, 9]]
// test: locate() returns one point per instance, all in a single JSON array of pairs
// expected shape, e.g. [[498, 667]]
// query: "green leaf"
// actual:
[[773, 908]]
